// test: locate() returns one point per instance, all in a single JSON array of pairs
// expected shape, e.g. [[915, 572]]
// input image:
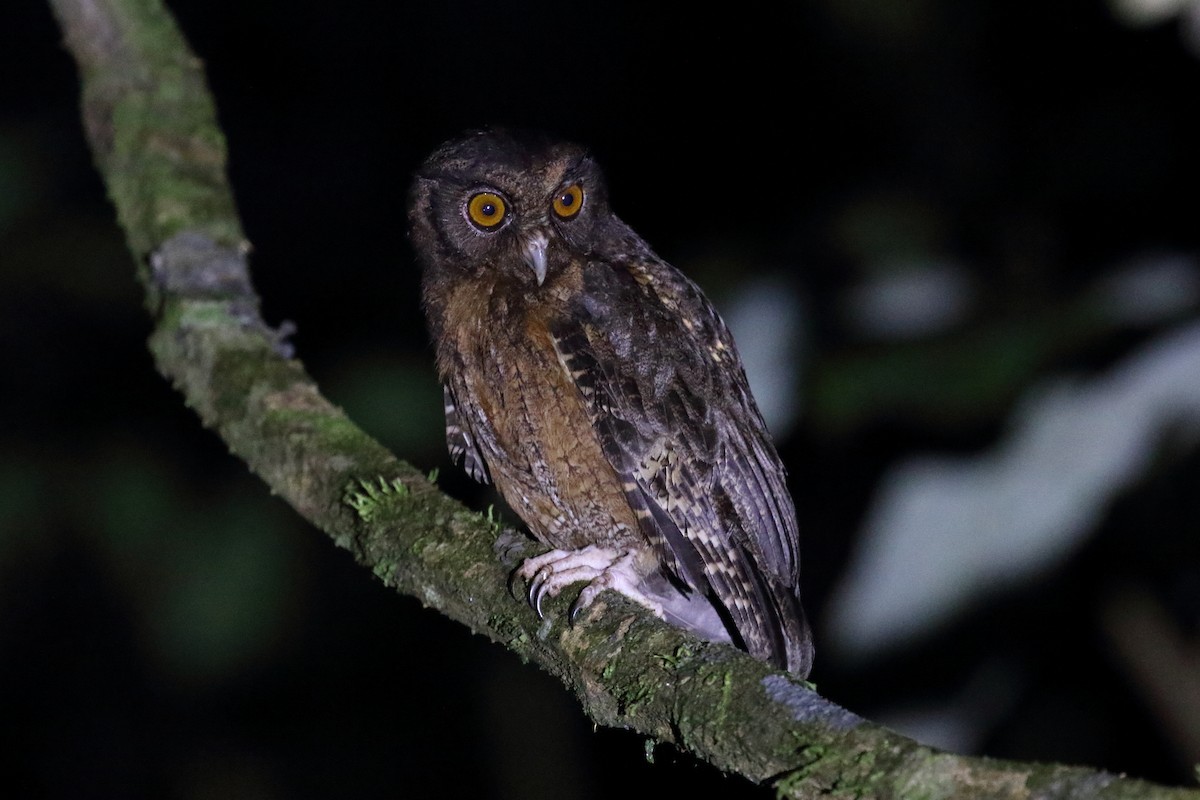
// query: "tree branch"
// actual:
[[152, 128]]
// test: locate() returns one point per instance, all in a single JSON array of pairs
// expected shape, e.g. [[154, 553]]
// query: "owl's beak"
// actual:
[[535, 255]]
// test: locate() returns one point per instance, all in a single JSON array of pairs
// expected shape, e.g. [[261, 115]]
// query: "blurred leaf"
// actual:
[[963, 378], [396, 398], [22, 507], [944, 530], [211, 578]]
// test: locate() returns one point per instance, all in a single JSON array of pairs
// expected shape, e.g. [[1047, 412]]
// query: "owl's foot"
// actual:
[[602, 568]]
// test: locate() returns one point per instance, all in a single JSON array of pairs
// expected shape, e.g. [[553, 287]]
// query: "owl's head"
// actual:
[[516, 205]]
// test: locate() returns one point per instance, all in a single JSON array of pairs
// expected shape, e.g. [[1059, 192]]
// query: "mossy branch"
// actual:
[[152, 128]]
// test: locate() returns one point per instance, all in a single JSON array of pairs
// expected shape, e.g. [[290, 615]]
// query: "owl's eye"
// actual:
[[487, 210], [567, 203]]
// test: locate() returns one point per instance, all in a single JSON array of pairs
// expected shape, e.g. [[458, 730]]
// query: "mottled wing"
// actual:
[[460, 442], [670, 402]]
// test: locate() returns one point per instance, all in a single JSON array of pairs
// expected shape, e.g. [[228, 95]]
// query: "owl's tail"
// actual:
[[775, 627], [794, 648]]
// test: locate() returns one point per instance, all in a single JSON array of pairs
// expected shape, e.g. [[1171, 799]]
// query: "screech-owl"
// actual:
[[598, 388]]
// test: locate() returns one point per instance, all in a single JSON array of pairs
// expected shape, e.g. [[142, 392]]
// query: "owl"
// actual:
[[598, 389]]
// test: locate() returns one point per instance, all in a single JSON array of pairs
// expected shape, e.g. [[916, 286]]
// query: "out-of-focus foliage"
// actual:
[[945, 533]]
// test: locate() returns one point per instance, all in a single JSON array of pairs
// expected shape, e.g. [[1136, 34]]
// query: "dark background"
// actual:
[[168, 629]]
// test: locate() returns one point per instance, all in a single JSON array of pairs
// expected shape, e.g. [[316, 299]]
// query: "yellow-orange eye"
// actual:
[[567, 203], [487, 210]]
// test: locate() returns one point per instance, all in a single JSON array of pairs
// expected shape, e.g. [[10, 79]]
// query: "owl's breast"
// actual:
[[534, 430]]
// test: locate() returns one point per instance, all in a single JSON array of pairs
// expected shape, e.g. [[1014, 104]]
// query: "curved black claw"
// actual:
[[511, 547], [512, 583], [577, 608], [537, 590]]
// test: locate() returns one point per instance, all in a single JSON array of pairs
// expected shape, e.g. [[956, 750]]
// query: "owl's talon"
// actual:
[[589, 593], [549, 573], [537, 590], [532, 589], [599, 568], [512, 584]]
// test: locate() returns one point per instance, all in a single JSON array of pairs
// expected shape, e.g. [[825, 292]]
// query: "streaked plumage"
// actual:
[[601, 392]]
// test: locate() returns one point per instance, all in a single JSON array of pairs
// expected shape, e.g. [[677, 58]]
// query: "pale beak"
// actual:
[[535, 255]]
